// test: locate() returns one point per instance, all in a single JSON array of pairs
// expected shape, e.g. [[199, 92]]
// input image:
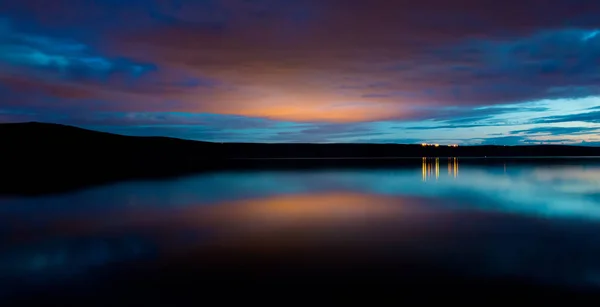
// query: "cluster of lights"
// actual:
[[438, 145]]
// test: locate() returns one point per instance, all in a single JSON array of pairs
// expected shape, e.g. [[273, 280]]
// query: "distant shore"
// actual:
[[412, 158], [47, 158]]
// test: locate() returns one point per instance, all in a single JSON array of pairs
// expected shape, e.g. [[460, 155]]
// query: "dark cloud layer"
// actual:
[[305, 70]]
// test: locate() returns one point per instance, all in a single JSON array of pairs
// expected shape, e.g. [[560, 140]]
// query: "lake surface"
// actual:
[[539, 222]]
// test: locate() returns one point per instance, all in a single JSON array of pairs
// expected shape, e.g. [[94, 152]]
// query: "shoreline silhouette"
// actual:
[[41, 158]]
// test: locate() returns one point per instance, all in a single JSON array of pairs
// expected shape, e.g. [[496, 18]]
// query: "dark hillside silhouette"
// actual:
[[45, 157]]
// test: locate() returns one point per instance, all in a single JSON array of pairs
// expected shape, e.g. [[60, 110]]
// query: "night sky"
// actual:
[[380, 71]]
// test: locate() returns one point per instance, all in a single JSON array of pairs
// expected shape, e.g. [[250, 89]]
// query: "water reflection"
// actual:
[[73, 244], [490, 221], [431, 166]]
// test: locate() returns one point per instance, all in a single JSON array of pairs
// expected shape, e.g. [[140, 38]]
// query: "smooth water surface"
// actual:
[[536, 221]]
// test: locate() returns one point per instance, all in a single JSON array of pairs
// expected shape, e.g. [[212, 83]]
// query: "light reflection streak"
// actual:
[[437, 168], [455, 167], [431, 166], [423, 168]]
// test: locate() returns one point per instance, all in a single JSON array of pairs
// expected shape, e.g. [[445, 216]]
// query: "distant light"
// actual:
[[424, 144], [437, 145]]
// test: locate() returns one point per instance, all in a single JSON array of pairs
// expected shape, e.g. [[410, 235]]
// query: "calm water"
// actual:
[[536, 221]]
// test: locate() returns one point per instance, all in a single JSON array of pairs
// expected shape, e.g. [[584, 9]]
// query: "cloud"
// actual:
[[38, 67], [557, 130], [328, 133], [64, 58], [156, 119], [284, 60], [507, 140], [469, 117], [340, 39], [330, 70], [589, 117]]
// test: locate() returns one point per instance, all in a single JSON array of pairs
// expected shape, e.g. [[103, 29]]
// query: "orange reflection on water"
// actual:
[[257, 217], [310, 208], [337, 224]]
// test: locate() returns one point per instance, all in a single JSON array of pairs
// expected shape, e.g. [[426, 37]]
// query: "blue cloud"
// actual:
[[589, 117], [507, 140], [66, 59], [457, 117], [558, 130]]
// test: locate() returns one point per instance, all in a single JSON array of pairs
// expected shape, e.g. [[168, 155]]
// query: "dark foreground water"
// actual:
[[433, 224]]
